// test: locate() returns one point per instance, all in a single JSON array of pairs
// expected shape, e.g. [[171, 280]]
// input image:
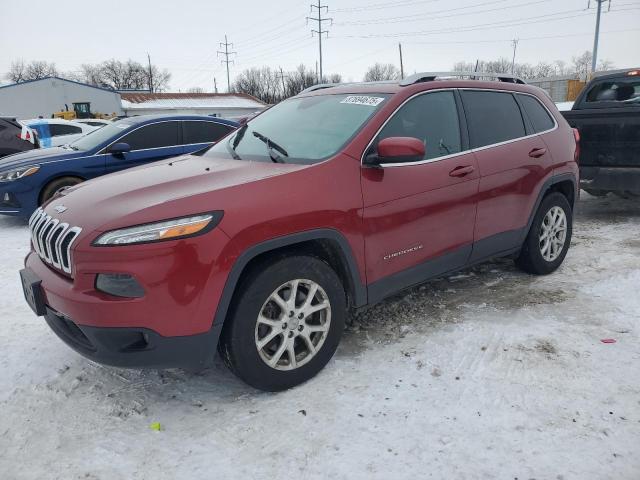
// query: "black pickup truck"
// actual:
[[607, 115]]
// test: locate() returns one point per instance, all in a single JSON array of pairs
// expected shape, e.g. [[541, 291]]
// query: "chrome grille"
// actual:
[[52, 239]]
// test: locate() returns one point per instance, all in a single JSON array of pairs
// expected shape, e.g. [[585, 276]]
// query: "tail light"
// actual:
[[576, 137]]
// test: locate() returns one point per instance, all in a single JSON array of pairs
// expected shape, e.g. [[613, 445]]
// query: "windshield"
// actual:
[[300, 130], [99, 136]]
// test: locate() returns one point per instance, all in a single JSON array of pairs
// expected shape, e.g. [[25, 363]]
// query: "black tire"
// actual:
[[531, 259], [238, 345], [55, 185]]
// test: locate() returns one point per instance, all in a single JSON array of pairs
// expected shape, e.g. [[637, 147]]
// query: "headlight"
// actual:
[[18, 173], [159, 231]]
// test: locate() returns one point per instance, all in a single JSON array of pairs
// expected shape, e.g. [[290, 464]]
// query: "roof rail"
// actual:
[[431, 76]]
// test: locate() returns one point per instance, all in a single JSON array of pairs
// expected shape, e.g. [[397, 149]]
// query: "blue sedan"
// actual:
[[29, 179]]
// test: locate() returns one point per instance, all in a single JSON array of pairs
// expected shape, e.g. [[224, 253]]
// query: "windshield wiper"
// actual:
[[236, 140], [272, 147]]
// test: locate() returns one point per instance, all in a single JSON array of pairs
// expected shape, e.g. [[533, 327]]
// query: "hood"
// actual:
[[38, 156], [171, 188]]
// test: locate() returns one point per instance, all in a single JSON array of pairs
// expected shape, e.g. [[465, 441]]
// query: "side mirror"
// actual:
[[119, 149], [399, 150]]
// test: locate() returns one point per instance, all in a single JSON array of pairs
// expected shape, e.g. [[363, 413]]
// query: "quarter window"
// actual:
[[204, 132], [431, 118], [492, 117], [157, 135], [539, 116]]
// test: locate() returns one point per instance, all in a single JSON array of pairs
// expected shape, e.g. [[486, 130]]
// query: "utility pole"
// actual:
[[226, 60], [150, 74], [282, 75], [513, 61], [596, 38], [215, 85], [319, 31], [401, 64]]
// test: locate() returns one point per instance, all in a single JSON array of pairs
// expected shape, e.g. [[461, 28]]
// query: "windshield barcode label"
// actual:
[[363, 100]]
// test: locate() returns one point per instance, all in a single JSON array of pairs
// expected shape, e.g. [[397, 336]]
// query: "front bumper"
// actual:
[[170, 326], [613, 179], [17, 199], [134, 347]]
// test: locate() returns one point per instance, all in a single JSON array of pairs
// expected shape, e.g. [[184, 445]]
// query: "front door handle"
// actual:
[[537, 152], [461, 171]]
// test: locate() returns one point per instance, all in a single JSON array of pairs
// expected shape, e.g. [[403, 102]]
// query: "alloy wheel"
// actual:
[[293, 324], [553, 234]]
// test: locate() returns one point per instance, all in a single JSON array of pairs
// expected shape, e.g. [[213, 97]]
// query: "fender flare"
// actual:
[[549, 182], [359, 289]]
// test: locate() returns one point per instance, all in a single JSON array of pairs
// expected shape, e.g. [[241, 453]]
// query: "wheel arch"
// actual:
[[326, 244], [565, 183], [55, 177]]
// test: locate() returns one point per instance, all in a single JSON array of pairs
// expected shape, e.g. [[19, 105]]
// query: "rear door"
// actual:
[[199, 134], [513, 162], [148, 143], [419, 216]]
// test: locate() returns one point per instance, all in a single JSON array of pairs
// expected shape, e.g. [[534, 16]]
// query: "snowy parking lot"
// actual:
[[489, 373]]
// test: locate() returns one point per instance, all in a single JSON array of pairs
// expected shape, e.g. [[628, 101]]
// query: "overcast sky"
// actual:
[[184, 36]]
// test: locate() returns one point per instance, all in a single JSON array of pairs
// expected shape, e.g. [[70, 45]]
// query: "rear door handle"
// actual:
[[461, 171], [537, 152]]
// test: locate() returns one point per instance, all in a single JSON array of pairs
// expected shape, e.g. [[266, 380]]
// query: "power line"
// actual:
[[499, 24], [419, 17], [379, 6], [226, 60], [320, 20]]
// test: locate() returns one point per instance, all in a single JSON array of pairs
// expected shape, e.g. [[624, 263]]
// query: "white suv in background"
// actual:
[[54, 132]]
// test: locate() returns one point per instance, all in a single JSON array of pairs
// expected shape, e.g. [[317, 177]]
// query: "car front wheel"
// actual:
[[285, 324]]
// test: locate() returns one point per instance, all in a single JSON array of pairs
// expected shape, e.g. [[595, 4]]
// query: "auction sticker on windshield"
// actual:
[[363, 100]]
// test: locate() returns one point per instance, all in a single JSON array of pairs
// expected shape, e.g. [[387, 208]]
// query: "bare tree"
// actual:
[[22, 72], [382, 71], [128, 75], [17, 71], [195, 90], [272, 86]]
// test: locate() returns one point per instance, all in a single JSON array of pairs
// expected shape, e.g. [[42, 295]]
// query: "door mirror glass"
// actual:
[[400, 150], [119, 148]]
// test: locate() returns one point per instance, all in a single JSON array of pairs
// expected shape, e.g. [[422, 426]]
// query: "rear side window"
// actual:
[[621, 92], [58, 130], [433, 119], [539, 116], [203, 132], [157, 135], [492, 117]]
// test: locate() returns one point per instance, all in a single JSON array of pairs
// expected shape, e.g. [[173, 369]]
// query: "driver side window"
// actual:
[[156, 135], [432, 118]]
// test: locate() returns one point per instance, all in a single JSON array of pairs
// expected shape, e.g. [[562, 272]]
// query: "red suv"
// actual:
[[331, 200]]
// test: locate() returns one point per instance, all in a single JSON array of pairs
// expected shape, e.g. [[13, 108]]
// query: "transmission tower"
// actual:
[[226, 60], [320, 31]]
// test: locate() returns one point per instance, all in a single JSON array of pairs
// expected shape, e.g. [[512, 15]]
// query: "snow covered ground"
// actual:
[[490, 373]]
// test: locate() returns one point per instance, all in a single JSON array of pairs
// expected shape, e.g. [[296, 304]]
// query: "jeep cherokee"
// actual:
[[330, 200]]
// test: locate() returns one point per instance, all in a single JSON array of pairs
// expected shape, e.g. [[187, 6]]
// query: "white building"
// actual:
[[35, 98], [225, 105]]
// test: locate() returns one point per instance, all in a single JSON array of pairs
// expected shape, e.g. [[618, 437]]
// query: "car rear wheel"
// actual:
[[55, 186], [285, 324], [548, 240]]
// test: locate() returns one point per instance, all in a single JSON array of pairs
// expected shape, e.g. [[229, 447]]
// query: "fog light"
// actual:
[[119, 285]]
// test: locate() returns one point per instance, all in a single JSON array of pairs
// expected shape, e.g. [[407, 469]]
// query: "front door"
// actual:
[[148, 143], [419, 217]]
